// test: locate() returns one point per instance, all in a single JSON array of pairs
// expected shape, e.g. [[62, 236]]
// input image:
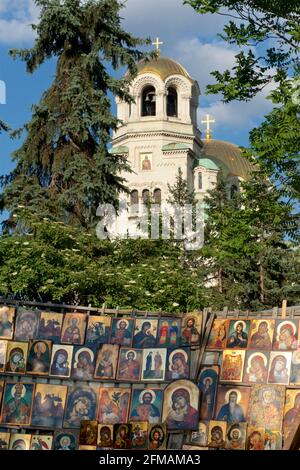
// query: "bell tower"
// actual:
[[159, 130]]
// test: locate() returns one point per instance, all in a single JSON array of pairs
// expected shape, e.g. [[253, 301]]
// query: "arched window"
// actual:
[[157, 196], [149, 101], [234, 189], [134, 200], [172, 102], [200, 181], [146, 196]]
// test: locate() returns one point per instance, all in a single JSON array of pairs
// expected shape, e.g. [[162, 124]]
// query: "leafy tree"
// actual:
[[52, 261], [63, 169], [271, 32]]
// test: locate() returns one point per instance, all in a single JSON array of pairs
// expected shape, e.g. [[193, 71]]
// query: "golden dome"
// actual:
[[228, 154], [163, 67]]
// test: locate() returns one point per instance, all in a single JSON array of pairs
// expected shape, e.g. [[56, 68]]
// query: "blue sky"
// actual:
[[188, 37]]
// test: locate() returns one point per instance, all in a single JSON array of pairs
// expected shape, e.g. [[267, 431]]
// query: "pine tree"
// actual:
[[63, 169], [249, 253], [179, 192]]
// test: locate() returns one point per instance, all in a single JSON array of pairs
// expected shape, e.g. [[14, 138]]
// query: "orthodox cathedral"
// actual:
[[159, 134]]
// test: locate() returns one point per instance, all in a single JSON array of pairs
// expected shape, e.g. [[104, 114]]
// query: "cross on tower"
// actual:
[[157, 43], [208, 121]]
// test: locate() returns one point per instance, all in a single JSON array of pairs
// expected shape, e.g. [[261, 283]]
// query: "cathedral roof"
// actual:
[[229, 156], [162, 66]]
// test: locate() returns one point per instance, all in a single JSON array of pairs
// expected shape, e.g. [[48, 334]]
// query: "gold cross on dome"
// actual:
[[157, 43], [208, 121]]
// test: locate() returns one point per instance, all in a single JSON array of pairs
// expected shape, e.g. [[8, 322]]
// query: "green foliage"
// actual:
[[3, 126], [246, 261], [179, 192], [273, 27], [63, 169], [51, 261]]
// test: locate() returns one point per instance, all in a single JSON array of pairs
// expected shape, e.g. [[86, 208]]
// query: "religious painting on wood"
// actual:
[[273, 440], [295, 368], [39, 355], [73, 330], [50, 326], [280, 367], [87, 448], [146, 405], [218, 335], [122, 331], [3, 349], [261, 334], [157, 437], [98, 331], [255, 438], [207, 383], [199, 437], [27, 323], [154, 365], [41, 442], [286, 335], [65, 440], [122, 436], [216, 434], [61, 361], [146, 161], [232, 404], [238, 334], [175, 441], [83, 363], [19, 441], [48, 405], [139, 435], [16, 355], [130, 364], [168, 332], [88, 433], [81, 405], [1, 389], [145, 333], [105, 436], [7, 316], [189, 447], [236, 436], [191, 325], [107, 360], [266, 406], [4, 440], [256, 367], [178, 364], [211, 358], [232, 365], [291, 411], [181, 405], [113, 405], [17, 403]]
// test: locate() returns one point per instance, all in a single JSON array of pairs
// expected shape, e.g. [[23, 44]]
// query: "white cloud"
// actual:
[[237, 117], [16, 19], [169, 19], [201, 58]]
